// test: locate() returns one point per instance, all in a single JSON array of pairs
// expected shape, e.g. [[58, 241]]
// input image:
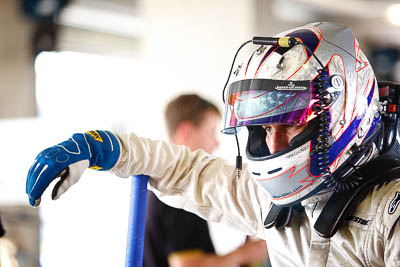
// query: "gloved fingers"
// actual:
[[30, 176], [40, 161], [47, 166], [35, 202], [35, 169], [34, 173], [34, 182], [69, 177], [39, 180]]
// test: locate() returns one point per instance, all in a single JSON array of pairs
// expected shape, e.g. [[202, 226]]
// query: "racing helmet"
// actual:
[[324, 80]]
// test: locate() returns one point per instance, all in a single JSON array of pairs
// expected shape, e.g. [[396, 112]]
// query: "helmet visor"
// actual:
[[265, 101]]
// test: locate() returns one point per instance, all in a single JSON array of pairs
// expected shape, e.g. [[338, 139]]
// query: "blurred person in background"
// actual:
[[175, 234]]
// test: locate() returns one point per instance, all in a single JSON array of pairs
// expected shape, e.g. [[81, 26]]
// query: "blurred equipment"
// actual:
[[19, 247], [44, 37], [43, 13], [2, 231], [43, 9], [384, 61]]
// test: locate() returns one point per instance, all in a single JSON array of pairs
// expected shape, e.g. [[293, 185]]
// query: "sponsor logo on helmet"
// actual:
[[291, 85], [297, 152], [291, 192], [337, 82]]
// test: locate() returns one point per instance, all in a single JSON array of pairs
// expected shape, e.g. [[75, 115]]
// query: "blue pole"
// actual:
[[137, 221]]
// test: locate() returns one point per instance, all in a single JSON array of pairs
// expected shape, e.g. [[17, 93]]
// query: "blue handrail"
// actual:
[[137, 221]]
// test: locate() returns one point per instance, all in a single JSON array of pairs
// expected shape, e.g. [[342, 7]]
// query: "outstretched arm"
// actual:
[[197, 182], [192, 180]]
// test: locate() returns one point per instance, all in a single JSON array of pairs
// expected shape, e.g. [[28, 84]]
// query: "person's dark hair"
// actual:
[[188, 107]]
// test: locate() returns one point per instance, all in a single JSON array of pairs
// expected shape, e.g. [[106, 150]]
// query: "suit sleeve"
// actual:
[[196, 182]]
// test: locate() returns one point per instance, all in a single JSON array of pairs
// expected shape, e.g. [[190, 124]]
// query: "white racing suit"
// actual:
[[209, 187]]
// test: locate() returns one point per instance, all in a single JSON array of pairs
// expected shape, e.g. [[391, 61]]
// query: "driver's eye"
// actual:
[[268, 129]]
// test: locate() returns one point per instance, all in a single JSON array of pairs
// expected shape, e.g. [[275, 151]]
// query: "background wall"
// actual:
[[114, 65], [17, 85]]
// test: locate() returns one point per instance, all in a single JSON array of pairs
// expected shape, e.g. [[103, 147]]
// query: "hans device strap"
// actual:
[[341, 204], [278, 216]]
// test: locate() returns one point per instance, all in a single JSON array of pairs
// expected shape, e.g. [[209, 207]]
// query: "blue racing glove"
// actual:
[[97, 150]]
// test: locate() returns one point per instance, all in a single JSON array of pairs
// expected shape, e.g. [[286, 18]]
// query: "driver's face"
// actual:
[[279, 136]]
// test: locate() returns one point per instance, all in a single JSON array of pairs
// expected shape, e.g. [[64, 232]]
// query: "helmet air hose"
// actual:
[[323, 142], [322, 146]]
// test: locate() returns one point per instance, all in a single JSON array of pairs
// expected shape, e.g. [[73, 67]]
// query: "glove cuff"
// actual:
[[104, 149]]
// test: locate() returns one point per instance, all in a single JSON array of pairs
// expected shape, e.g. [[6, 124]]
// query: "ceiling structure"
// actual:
[[373, 20], [123, 19], [114, 17]]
